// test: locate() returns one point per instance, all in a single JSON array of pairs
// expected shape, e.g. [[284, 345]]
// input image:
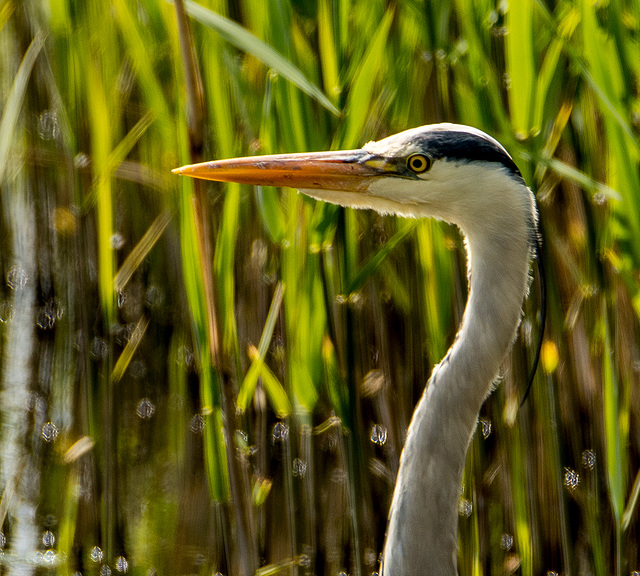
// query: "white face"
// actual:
[[463, 193], [480, 196]]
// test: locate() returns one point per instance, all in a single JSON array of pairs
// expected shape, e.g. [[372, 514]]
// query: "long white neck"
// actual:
[[423, 526]]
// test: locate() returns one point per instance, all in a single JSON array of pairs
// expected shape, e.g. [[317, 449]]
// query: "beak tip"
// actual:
[[177, 170]]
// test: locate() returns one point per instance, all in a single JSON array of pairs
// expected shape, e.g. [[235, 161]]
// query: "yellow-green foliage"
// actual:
[[245, 361]]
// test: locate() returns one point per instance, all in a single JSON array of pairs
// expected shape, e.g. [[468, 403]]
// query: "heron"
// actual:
[[463, 176]]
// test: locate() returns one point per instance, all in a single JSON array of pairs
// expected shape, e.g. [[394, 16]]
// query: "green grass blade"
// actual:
[[272, 317], [223, 265], [122, 149], [336, 388], [129, 350], [374, 261], [268, 200], [630, 508], [328, 53], [248, 386], [101, 143], [5, 13], [519, 55], [141, 250], [143, 61], [257, 368], [580, 178], [615, 477], [275, 392], [436, 313], [361, 89], [15, 99], [215, 443], [242, 39], [549, 69]]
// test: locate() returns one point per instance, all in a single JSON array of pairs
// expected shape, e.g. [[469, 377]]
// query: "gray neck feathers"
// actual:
[[423, 526]]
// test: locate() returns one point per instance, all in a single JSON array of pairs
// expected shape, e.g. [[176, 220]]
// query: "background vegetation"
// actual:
[[200, 378]]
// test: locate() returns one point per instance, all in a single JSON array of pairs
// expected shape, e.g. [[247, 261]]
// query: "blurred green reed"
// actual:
[[202, 378]]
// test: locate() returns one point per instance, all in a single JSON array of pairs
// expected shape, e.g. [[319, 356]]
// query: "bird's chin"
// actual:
[[361, 201], [339, 197]]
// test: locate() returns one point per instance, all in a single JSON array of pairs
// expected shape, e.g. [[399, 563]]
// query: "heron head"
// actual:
[[448, 171]]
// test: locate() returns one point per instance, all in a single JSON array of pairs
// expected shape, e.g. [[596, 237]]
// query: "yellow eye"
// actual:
[[418, 163]]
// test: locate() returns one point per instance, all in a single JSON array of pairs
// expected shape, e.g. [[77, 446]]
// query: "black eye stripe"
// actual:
[[418, 163]]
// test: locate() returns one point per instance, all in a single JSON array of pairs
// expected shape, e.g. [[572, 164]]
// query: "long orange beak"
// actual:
[[350, 170]]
